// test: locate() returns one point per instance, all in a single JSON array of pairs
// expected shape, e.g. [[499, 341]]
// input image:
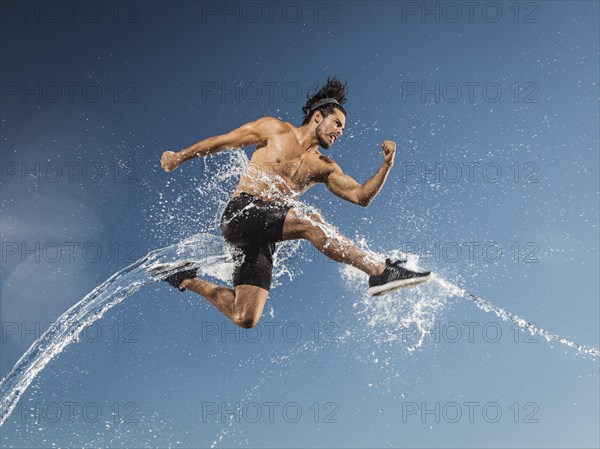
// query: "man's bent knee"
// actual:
[[247, 322], [249, 304], [248, 319]]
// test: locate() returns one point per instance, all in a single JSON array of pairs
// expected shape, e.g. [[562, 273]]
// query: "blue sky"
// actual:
[[495, 186]]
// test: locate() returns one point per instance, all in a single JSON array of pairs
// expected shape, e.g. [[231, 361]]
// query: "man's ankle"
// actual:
[[379, 269], [186, 283]]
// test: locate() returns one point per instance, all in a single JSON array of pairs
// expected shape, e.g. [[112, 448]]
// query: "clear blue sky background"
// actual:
[[147, 76]]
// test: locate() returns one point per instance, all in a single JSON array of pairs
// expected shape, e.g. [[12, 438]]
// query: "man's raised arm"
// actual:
[[349, 189], [249, 134]]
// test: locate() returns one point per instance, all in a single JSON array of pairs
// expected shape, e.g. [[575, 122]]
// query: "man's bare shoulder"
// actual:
[[272, 125], [328, 166]]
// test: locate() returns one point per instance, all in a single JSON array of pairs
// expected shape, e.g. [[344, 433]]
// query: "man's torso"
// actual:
[[281, 169]]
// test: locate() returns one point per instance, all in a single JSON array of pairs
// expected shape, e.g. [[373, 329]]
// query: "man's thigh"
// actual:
[[253, 264], [298, 223]]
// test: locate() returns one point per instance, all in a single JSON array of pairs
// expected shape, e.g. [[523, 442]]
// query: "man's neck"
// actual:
[[307, 138]]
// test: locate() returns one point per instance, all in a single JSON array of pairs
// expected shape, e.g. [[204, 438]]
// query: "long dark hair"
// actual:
[[333, 88]]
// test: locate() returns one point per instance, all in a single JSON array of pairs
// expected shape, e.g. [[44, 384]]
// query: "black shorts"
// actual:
[[252, 226]]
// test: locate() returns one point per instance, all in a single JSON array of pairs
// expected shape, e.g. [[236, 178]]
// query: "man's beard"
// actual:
[[323, 142]]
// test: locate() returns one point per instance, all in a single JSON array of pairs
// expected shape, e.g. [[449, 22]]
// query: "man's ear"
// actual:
[[318, 117]]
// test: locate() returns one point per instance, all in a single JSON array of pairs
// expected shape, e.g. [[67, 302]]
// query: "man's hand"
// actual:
[[169, 161], [389, 150]]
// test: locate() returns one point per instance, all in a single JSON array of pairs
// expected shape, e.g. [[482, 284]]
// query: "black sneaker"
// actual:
[[178, 277], [393, 277]]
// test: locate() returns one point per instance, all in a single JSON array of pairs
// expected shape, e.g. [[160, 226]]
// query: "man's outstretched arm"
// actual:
[[249, 134], [349, 189]]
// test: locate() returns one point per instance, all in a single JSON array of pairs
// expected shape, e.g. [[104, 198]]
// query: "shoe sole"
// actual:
[[164, 268], [395, 285], [161, 269]]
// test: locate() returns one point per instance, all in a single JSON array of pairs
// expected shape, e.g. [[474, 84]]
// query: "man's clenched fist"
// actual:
[[169, 161], [389, 150]]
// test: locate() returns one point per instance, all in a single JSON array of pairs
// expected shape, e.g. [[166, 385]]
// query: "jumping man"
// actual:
[[286, 163]]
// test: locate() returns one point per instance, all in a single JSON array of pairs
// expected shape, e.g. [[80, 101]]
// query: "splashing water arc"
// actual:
[[205, 249], [387, 317], [208, 252]]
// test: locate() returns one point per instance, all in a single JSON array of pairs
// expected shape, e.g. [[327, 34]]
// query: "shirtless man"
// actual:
[[286, 163]]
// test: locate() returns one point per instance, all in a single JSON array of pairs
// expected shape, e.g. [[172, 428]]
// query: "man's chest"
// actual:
[[303, 168]]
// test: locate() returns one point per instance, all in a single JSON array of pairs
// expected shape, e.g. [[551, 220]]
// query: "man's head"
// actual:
[[329, 128], [325, 112]]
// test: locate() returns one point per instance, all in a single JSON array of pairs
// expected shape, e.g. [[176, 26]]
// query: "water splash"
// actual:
[[405, 317], [532, 328], [411, 313], [207, 252], [388, 318]]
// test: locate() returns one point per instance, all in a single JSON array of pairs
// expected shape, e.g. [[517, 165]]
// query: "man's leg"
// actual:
[[244, 305], [300, 225]]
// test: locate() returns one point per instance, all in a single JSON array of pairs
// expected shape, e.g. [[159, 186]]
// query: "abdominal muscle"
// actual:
[[267, 185]]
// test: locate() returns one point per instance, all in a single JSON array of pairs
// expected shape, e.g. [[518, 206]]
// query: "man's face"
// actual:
[[331, 128]]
